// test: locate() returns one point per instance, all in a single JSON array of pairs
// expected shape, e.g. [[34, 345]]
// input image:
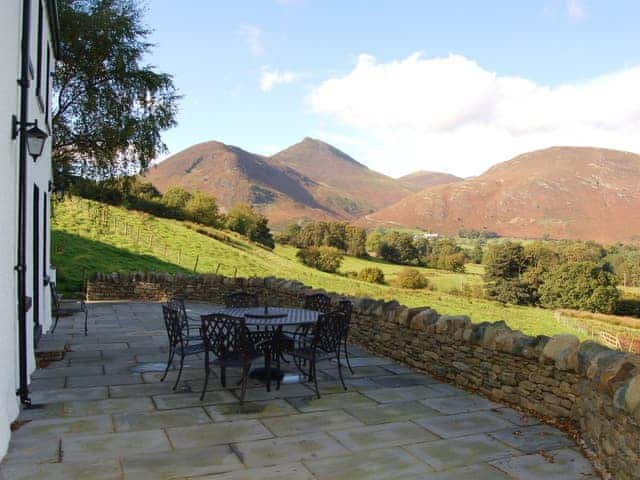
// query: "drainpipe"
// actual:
[[23, 302]]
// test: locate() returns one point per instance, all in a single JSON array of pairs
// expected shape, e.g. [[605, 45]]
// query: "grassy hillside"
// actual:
[[102, 238]]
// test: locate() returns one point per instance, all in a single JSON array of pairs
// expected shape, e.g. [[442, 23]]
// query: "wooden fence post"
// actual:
[[195, 267], [179, 256]]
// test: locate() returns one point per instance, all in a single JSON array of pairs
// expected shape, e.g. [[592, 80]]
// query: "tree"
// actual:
[[203, 208], [411, 278], [326, 259], [504, 266], [176, 197], [580, 285], [110, 108], [246, 221]]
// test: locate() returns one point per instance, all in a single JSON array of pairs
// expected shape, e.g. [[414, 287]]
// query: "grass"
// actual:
[[92, 236]]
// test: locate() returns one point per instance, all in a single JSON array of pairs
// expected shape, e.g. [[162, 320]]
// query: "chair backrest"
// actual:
[[328, 331], [177, 303], [318, 302], [346, 307], [226, 336], [54, 296], [173, 325], [241, 300]]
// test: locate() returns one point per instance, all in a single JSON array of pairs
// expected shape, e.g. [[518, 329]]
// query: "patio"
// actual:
[[105, 415]]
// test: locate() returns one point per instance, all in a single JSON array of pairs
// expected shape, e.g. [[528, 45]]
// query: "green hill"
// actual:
[[90, 236]]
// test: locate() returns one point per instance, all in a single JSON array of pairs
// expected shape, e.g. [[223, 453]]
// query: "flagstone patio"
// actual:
[[104, 414]]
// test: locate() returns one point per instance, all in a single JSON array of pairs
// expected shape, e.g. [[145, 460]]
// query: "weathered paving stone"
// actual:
[[459, 452], [366, 361], [249, 410], [404, 380], [217, 433], [483, 471], [127, 422], [391, 412], [463, 404], [192, 462], [293, 471], [37, 430], [449, 426], [103, 380], [372, 465], [283, 450], [111, 405], [564, 464], [364, 371], [286, 391], [533, 439], [310, 422], [186, 400], [68, 371], [69, 394], [384, 435], [330, 402], [400, 394], [398, 368], [515, 417], [78, 448], [106, 470], [141, 390], [25, 450]]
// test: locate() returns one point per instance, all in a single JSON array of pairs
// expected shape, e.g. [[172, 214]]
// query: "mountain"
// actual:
[[561, 192], [422, 179], [308, 180], [342, 184]]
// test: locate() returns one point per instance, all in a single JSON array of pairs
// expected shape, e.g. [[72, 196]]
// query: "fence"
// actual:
[[619, 338], [106, 221]]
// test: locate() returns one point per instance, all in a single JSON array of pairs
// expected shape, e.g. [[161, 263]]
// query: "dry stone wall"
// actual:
[[595, 389]]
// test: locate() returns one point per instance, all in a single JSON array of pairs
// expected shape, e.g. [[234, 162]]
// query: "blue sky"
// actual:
[[403, 85]]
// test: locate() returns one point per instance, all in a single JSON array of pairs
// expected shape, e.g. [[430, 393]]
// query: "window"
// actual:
[[39, 58]]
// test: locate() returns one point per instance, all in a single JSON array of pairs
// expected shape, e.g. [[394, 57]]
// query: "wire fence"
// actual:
[[617, 338], [147, 239]]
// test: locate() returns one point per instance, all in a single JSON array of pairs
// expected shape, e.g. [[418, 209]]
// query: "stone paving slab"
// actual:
[[250, 410], [83, 448], [564, 464], [281, 450], [390, 412], [107, 470], [372, 465], [217, 434], [464, 424], [181, 463], [330, 420], [459, 452], [128, 422], [393, 422], [293, 471], [383, 435]]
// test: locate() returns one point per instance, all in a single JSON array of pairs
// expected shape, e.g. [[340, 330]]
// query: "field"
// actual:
[[88, 235]]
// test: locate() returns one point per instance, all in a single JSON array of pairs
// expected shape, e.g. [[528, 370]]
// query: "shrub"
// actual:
[[581, 286], [411, 278], [243, 219], [202, 208], [371, 275], [326, 259]]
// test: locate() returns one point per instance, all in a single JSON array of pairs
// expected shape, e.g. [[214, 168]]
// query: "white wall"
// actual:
[[40, 173]]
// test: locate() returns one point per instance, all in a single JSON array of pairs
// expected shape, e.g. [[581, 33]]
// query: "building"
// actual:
[[29, 38]]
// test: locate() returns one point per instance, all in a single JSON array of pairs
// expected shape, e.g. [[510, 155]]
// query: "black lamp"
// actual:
[[36, 137]]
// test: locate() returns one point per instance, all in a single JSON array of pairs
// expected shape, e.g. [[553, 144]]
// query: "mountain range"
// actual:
[[560, 192]]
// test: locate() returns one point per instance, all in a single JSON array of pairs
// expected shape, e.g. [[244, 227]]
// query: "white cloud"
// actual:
[[252, 36], [575, 9], [451, 114], [270, 78]]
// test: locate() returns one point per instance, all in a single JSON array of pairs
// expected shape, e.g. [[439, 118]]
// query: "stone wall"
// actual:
[[583, 385]]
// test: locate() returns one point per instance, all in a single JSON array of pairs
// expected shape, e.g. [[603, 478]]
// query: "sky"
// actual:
[[403, 85]]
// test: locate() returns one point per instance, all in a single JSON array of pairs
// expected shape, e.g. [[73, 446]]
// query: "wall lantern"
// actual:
[[36, 138]]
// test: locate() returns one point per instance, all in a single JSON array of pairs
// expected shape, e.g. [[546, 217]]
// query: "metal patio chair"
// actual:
[[318, 302], [178, 344], [190, 325], [322, 343], [232, 345], [62, 308], [346, 308]]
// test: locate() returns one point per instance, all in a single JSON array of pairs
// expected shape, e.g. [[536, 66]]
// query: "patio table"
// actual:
[[274, 317]]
